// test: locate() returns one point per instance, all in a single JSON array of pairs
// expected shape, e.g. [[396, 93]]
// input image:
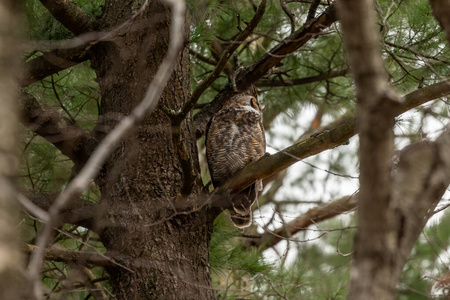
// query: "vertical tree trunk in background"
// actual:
[[371, 276], [165, 257], [10, 258], [393, 206]]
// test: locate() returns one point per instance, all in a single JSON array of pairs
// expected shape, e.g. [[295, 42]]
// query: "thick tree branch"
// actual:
[[71, 140], [52, 62], [257, 70], [311, 217], [300, 81], [340, 133], [70, 15], [71, 256]]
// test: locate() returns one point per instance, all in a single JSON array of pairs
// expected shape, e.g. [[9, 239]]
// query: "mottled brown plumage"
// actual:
[[235, 138]]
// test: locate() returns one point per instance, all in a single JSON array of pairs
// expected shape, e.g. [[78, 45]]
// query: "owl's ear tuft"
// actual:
[[254, 103]]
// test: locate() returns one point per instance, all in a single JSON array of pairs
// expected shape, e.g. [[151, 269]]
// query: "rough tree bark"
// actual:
[[10, 258], [166, 258]]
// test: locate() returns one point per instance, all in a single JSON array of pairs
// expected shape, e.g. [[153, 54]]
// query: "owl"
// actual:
[[234, 138]]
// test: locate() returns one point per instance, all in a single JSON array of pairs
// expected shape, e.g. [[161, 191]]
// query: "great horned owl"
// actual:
[[234, 138]]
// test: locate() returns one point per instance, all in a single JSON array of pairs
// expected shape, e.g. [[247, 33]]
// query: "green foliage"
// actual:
[[309, 271], [74, 94], [227, 253], [43, 26]]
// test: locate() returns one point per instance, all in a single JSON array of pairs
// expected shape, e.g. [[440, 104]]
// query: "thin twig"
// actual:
[[93, 165], [60, 102], [289, 15]]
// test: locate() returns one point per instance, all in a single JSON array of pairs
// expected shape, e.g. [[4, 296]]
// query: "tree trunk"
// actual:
[[10, 258], [160, 255]]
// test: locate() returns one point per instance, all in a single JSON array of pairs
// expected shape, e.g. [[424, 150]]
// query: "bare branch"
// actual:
[[302, 222], [202, 58], [52, 62], [95, 288], [373, 273], [32, 208], [70, 15], [93, 165], [300, 81], [71, 140], [71, 256]]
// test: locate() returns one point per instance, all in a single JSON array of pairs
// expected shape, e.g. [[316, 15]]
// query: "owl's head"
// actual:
[[244, 100]]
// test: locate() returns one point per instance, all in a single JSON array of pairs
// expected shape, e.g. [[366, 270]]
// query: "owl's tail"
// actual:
[[241, 216]]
